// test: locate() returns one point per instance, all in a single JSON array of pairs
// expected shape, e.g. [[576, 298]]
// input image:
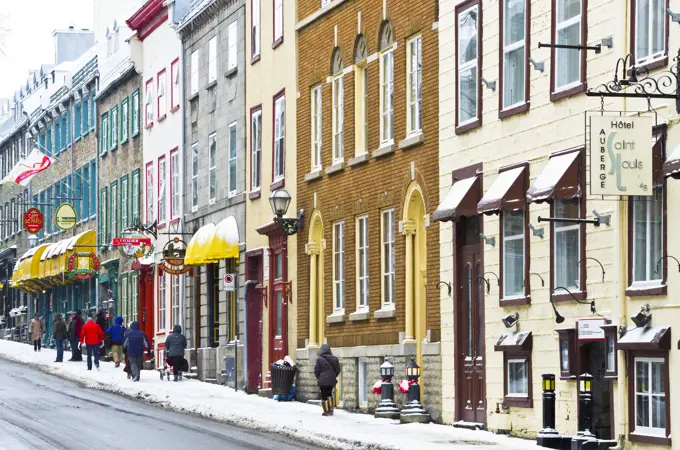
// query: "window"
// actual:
[[162, 178], [360, 97], [135, 210], [78, 194], [77, 121], [362, 262], [279, 136], [567, 245], [124, 120], [162, 319], [233, 151], [93, 188], [64, 131], [648, 237], [232, 49], [85, 190], [514, 56], [194, 177], [467, 70], [567, 31], [650, 397], [85, 124], [610, 359], [513, 253], [255, 148], [134, 294], [176, 83], [69, 130], [363, 382], [649, 29], [104, 133], [113, 213], [339, 266], [212, 59], [317, 128], [255, 29], [135, 113], [387, 226], [93, 113], [174, 184], [13, 217], [386, 84], [148, 106], [518, 377], [194, 73], [48, 144], [567, 349], [2, 224], [57, 136], [415, 85], [124, 205], [338, 108], [149, 193], [212, 167], [278, 20], [175, 300], [516, 348], [124, 309], [162, 99], [41, 141], [104, 217], [113, 133]]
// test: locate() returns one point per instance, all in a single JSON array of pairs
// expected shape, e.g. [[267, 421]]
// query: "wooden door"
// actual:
[[279, 298], [254, 323]]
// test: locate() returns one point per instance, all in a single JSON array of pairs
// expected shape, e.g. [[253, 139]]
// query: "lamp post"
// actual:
[[548, 436], [279, 200], [585, 412], [387, 409], [32, 240], [413, 411]]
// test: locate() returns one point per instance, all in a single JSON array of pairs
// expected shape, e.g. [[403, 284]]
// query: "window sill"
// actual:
[[412, 141], [336, 167], [113, 149], [515, 301], [505, 113], [336, 317], [468, 126], [385, 313], [125, 141], [162, 118], [161, 225], [647, 439], [358, 160], [566, 93], [175, 220], [254, 195], [193, 96], [278, 184], [646, 288], [148, 125], [277, 43], [386, 149], [314, 175], [518, 402], [194, 209], [211, 85], [174, 109], [254, 59], [579, 295], [231, 72], [359, 315]]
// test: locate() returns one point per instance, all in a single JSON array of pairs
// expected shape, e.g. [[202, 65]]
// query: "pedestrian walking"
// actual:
[[327, 369], [74, 330], [101, 320], [36, 330], [60, 335], [93, 337], [175, 344], [134, 345], [117, 334]]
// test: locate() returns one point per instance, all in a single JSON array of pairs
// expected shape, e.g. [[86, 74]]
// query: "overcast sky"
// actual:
[[29, 42]]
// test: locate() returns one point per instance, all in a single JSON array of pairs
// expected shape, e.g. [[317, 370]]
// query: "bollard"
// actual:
[[548, 436], [585, 412], [387, 409], [413, 411]]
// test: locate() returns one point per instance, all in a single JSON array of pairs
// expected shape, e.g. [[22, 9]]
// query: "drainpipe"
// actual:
[[97, 218], [245, 332], [621, 443]]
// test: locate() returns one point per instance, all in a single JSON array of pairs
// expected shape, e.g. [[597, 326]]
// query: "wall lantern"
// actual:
[[32, 240], [280, 201]]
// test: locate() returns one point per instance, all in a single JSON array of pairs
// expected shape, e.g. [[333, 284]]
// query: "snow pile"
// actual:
[[294, 419]]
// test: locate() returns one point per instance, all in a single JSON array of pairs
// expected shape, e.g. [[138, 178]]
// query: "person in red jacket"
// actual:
[[93, 336]]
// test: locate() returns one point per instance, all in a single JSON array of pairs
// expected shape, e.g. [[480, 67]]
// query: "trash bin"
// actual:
[[282, 378]]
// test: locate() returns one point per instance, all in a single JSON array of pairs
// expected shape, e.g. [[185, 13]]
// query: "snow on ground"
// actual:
[[294, 419]]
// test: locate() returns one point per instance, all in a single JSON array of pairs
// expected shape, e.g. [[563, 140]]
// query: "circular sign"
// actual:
[[134, 244], [83, 265], [33, 220], [66, 217]]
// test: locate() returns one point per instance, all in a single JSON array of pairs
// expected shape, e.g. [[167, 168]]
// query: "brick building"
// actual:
[[367, 162]]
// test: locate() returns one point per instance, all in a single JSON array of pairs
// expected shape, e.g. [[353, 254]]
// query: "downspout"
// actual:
[[245, 332], [97, 212]]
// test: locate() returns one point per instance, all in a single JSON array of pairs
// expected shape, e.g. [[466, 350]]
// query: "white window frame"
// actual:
[[194, 73], [561, 227], [656, 56], [150, 188], [233, 153], [386, 104], [256, 150], [124, 298], [415, 44], [162, 182], [134, 294], [338, 118], [161, 310], [648, 431], [506, 239], [364, 375], [361, 108], [278, 20], [317, 127], [212, 168], [105, 132], [465, 67], [162, 98], [124, 203], [525, 362], [279, 138], [232, 45], [176, 85], [113, 200], [212, 59], [511, 47], [124, 120], [113, 133], [195, 160], [652, 278], [362, 255], [339, 267], [149, 104], [559, 26], [387, 258], [255, 30], [174, 184], [174, 301]]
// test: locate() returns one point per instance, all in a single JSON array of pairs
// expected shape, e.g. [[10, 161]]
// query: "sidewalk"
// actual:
[[294, 419]]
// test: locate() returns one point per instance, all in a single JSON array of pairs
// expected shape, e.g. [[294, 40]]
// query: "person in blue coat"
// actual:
[[117, 334], [135, 343]]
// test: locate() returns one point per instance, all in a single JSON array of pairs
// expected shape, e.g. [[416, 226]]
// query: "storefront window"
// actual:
[[650, 396]]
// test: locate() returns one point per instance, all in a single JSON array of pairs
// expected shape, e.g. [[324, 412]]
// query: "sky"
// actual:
[[29, 42]]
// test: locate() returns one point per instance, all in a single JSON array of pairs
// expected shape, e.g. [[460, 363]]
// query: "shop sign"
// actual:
[[174, 252], [138, 242], [83, 265], [621, 155], [134, 243], [591, 329], [33, 220], [66, 217], [229, 282]]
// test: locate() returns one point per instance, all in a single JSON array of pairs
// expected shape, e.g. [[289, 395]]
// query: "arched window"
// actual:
[[338, 107], [386, 84], [386, 36], [336, 61], [361, 96], [360, 49]]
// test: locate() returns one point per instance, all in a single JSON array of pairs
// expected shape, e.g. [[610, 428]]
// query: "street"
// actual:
[[40, 412]]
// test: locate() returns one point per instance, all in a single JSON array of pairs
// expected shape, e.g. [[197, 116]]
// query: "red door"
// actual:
[[254, 323], [278, 298]]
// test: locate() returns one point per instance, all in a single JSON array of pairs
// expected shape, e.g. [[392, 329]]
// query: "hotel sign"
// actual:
[[621, 155]]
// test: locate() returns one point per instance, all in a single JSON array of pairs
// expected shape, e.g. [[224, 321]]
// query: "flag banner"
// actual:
[[27, 168]]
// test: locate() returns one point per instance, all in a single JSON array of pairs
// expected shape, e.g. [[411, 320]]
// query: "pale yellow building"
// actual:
[[515, 146], [270, 165]]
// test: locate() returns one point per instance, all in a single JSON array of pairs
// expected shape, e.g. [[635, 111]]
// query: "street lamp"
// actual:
[[387, 409], [32, 240], [280, 201], [413, 411]]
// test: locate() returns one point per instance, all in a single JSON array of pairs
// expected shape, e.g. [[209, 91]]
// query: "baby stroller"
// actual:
[[175, 365]]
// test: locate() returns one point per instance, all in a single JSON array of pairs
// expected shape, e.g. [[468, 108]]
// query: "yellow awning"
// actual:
[[197, 247], [85, 242], [224, 242], [44, 267], [31, 263]]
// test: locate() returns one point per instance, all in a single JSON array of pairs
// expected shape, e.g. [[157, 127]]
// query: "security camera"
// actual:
[[511, 320]]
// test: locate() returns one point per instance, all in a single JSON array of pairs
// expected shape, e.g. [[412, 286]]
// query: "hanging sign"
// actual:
[[230, 282], [82, 265], [134, 243], [173, 257], [66, 217], [590, 329], [33, 220], [621, 155], [122, 242]]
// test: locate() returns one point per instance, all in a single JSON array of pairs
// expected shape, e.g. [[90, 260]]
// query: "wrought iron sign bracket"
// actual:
[[606, 42], [597, 221]]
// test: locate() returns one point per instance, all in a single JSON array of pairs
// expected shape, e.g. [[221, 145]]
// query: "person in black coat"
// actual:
[[327, 369]]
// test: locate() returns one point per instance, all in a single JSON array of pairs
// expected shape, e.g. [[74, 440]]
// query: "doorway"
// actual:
[[213, 303], [469, 313], [592, 357], [254, 323], [279, 298]]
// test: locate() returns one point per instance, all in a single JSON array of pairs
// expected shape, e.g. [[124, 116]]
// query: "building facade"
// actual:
[[271, 319], [536, 290], [367, 135]]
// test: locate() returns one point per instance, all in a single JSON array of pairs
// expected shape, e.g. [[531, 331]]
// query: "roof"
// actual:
[[196, 8]]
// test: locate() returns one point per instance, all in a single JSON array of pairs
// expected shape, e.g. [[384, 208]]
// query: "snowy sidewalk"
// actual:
[[294, 419]]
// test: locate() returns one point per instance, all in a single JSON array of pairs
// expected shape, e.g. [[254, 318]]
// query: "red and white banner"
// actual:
[[27, 168]]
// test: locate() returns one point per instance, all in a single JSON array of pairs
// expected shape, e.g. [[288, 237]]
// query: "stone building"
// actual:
[[367, 134], [213, 46]]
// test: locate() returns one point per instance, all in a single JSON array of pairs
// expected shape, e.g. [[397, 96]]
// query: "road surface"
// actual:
[[43, 412]]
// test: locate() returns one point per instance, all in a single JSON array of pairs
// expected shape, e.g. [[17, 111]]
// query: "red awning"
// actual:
[[506, 193], [560, 179], [461, 201]]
